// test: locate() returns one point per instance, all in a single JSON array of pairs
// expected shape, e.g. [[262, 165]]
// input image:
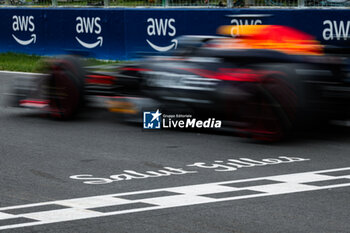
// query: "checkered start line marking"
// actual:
[[131, 202]]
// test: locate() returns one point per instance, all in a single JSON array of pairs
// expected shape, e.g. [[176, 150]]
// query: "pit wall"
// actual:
[[117, 34]]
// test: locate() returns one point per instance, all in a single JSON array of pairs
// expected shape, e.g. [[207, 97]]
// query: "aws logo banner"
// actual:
[[88, 30], [161, 33], [242, 22], [23, 29], [336, 30]]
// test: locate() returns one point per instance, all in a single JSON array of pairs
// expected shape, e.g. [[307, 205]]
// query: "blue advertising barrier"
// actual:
[[118, 34], [54, 31]]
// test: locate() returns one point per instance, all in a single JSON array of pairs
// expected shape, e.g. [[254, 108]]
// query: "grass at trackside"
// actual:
[[31, 63], [19, 62]]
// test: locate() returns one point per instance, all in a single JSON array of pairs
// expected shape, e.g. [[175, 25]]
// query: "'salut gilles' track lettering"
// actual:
[[218, 165]]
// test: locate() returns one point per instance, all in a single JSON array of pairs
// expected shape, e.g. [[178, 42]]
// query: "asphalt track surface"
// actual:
[[39, 155]]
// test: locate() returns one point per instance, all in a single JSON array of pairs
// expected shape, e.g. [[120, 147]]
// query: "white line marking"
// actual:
[[202, 189], [85, 208], [6, 216], [301, 178], [18, 72], [62, 215], [93, 202]]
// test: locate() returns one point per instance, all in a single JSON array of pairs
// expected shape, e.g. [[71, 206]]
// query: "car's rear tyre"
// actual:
[[270, 112], [65, 87], [266, 119]]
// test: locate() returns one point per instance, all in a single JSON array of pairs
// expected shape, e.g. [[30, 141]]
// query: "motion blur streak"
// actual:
[[238, 75], [273, 37], [264, 83]]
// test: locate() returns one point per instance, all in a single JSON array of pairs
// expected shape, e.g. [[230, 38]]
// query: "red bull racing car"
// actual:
[[263, 83]]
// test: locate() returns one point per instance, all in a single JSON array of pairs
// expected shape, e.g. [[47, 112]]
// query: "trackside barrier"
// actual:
[[118, 34]]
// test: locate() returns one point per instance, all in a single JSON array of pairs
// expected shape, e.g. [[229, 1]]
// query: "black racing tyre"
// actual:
[[269, 120], [65, 87], [262, 117], [271, 111]]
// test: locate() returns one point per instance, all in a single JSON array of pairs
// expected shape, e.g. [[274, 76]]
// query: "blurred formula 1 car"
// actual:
[[263, 82]]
